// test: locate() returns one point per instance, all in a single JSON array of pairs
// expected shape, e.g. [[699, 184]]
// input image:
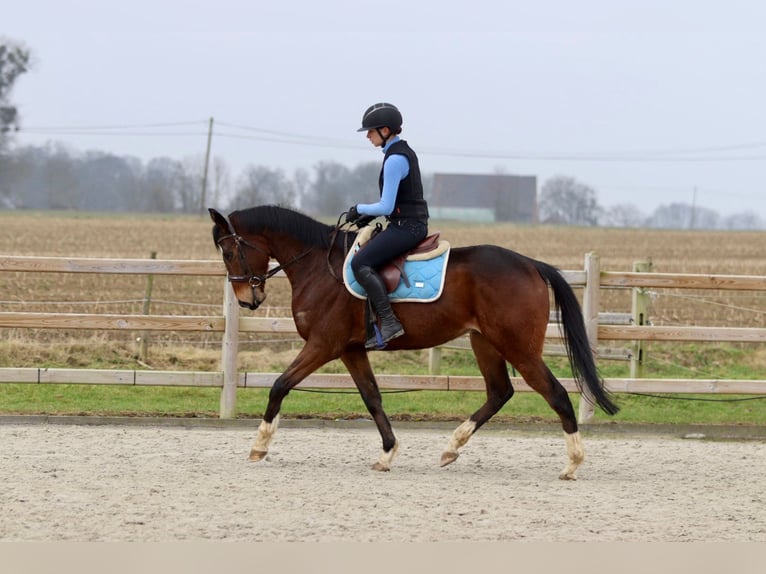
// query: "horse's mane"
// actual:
[[286, 220]]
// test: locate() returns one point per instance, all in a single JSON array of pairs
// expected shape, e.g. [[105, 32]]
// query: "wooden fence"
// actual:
[[591, 279]]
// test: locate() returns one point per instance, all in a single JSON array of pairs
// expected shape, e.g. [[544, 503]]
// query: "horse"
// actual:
[[498, 297]]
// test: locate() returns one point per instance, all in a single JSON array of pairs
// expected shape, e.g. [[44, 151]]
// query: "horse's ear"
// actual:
[[217, 218], [222, 225]]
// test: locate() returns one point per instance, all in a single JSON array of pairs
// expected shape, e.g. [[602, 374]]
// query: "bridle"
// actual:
[[253, 279]]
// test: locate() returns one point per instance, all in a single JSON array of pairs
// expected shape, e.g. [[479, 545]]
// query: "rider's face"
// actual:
[[375, 138]]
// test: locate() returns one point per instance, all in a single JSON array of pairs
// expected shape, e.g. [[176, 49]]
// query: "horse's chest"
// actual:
[[303, 322]]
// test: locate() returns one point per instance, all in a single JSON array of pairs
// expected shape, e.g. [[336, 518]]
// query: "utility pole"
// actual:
[[203, 199], [692, 221]]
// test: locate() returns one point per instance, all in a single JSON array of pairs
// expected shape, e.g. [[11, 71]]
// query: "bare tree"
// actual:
[[261, 185], [623, 215], [683, 216], [161, 183], [221, 180], [302, 182], [331, 193], [565, 201], [14, 61], [744, 221], [189, 193], [336, 187]]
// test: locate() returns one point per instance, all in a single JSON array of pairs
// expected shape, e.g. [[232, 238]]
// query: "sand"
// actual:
[[160, 483]]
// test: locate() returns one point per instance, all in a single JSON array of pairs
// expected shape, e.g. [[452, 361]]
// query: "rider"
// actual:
[[401, 201]]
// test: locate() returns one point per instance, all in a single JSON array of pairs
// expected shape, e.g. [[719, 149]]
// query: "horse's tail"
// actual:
[[576, 338]]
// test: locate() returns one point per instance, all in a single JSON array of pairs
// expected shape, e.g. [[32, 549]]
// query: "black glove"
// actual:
[[352, 215], [363, 220]]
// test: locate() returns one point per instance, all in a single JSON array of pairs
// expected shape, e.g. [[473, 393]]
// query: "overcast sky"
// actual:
[[648, 102]]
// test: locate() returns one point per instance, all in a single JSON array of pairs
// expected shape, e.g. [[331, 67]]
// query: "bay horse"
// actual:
[[498, 297]]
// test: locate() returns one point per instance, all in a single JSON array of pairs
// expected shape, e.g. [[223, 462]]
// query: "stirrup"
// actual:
[[378, 342]]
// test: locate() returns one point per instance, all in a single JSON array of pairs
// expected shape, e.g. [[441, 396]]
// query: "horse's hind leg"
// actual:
[[499, 390], [538, 376], [266, 432]]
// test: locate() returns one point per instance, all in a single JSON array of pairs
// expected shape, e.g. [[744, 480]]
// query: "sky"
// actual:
[[649, 103]]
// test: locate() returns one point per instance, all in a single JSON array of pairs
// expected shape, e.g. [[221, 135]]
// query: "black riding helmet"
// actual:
[[382, 115]]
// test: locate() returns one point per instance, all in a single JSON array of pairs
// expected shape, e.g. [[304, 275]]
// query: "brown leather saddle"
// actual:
[[393, 272]]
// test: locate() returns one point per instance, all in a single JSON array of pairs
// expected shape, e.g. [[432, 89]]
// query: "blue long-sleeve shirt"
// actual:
[[395, 169]]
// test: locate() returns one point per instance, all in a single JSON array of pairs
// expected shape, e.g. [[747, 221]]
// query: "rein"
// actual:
[[346, 245], [333, 237]]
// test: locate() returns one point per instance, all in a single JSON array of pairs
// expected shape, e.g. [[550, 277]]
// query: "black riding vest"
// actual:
[[409, 198]]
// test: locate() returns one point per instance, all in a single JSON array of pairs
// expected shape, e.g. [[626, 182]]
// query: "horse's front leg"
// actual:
[[308, 360], [358, 365]]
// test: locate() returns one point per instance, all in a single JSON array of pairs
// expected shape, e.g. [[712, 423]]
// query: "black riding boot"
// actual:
[[377, 295]]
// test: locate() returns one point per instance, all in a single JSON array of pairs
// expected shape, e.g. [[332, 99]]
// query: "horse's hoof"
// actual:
[[567, 476], [449, 458], [380, 467], [256, 455]]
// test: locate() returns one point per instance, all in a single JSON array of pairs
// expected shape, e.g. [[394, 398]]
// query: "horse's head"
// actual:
[[247, 262]]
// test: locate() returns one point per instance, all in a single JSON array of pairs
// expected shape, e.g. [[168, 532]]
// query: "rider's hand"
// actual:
[[352, 215]]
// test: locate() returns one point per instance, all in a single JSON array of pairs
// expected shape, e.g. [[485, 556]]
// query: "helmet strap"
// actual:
[[385, 139]]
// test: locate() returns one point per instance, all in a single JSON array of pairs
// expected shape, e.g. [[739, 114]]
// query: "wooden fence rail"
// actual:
[[591, 279]]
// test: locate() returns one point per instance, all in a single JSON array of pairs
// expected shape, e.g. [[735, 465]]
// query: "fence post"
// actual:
[[639, 312], [590, 305], [144, 347], [434, 361], [229, 350]]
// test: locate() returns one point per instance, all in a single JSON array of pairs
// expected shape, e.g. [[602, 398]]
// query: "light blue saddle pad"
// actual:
[[425, 276]]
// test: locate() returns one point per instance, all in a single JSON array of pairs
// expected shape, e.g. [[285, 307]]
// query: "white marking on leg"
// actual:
[[575, 453], [384, 462], [265, 434], [459, 438], [461, 435]]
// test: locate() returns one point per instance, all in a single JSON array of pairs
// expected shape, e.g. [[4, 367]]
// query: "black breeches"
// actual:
[[399, 237]]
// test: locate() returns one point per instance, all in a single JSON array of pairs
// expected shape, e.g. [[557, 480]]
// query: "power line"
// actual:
[[108, 133], [289, 135], [585, 157], [315, 143], [117, 126], [254, 133], [639, 156]]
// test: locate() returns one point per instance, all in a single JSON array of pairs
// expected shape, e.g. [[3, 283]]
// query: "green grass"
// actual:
[[669, 361], [416, 405]]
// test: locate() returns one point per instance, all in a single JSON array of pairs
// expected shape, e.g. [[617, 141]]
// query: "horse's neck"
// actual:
[[302, 261], [291, 254], [284, 250]]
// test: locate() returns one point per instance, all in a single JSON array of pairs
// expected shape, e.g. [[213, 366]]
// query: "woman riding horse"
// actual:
[[401, 201]]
